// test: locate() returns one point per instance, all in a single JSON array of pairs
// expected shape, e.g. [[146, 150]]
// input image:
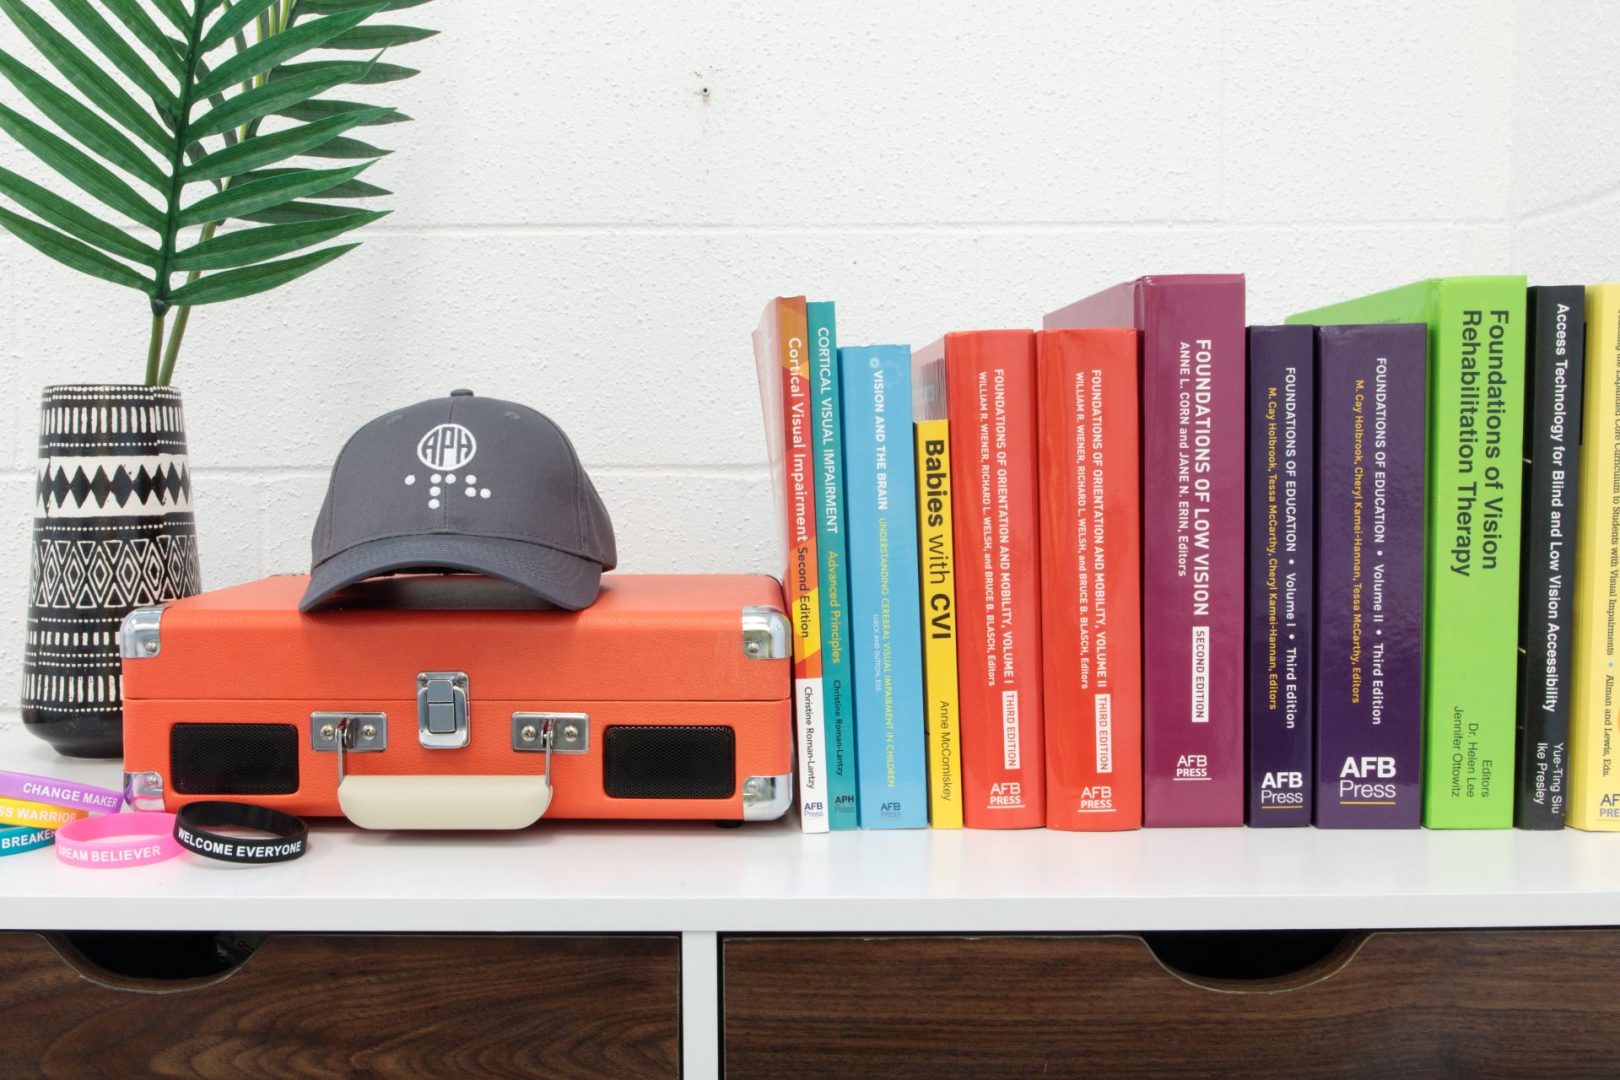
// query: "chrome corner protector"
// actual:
[[138, 637], [766, 634], [766, 798], [143, 790]]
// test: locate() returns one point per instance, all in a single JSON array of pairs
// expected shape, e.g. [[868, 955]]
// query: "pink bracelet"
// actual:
[[46, 789], [114, 840]]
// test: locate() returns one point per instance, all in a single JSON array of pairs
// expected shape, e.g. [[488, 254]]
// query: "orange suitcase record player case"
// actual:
[[455, 702]]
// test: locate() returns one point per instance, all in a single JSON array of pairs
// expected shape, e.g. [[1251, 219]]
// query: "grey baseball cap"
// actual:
[[463, 483]]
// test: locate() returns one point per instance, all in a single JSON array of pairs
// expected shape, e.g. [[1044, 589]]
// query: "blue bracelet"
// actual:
[[17, 840]]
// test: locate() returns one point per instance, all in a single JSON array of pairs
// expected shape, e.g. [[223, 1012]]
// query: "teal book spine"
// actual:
[[838, 698], [885, 638]]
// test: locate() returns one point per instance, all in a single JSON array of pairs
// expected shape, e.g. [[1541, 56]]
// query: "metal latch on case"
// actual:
[[441, 709]]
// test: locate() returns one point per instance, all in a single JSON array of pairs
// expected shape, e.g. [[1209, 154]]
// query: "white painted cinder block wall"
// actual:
[[596, 199]]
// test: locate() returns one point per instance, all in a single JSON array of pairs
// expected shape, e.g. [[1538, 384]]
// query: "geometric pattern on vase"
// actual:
[[98, 414], [114, 572], [99, 486]]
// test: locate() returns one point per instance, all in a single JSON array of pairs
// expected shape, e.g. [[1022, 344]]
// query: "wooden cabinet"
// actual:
[[1458, 1003], [346, 1005], [1462, 1003]]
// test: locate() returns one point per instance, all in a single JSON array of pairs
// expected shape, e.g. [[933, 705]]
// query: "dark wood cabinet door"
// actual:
[[340, 1006], [1443, 1003]]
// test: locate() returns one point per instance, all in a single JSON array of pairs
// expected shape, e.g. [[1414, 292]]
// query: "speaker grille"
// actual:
[[647, 761], [234, 759]]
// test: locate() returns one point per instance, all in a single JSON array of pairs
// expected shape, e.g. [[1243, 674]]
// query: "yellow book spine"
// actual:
[[936, 563], [1594, 780]]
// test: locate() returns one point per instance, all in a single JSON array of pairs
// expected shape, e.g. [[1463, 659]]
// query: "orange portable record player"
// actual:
[[432, 701]]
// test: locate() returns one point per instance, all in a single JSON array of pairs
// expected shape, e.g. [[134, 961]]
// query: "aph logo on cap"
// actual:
[[448, 446]]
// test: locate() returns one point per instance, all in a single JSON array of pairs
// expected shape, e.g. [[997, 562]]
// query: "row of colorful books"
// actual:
[[1151, 566]]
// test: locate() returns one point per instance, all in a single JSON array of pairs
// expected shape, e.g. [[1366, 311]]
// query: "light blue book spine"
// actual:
[[838, 691], [885, 638]]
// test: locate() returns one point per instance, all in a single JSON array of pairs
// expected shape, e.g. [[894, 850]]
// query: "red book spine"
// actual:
[[990, 402], [1091, 577]]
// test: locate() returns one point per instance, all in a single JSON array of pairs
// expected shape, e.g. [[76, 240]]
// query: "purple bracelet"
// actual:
[[45, 789]]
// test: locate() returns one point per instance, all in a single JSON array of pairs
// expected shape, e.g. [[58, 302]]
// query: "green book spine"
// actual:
[[1471, 593], [837, 681]]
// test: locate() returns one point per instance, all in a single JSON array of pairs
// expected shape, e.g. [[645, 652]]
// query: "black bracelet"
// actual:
[[289, 836]]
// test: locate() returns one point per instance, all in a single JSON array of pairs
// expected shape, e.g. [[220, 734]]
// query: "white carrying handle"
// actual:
[[444, 802]]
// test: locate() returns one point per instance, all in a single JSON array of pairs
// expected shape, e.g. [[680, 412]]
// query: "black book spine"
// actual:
[[1556, 354]]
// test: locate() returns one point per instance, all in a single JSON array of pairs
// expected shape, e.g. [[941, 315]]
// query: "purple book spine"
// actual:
[[1371, 394], [1281, 564]]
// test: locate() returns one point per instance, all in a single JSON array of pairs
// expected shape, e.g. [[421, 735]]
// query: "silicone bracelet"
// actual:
[[289, 836], [33, 815], [45, 789], [17, 841], [114, 840]]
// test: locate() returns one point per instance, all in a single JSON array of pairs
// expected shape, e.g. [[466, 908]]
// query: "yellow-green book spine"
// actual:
[[936, 565], [1594, 780]]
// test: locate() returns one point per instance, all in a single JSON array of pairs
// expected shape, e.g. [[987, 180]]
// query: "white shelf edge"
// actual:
[[571, 877]]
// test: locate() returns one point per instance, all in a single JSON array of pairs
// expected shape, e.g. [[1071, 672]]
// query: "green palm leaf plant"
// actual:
[[187, 119]]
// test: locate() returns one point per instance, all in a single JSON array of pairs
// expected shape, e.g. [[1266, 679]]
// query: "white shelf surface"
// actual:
[[605, 877]]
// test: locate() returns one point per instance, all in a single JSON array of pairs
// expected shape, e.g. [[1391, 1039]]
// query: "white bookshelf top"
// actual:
[[606, 877]]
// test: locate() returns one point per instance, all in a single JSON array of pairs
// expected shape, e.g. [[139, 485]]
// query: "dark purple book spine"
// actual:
[[1371, 393], [1281, 578]]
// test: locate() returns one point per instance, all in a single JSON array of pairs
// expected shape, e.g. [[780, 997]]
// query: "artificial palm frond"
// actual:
[[183, 123]]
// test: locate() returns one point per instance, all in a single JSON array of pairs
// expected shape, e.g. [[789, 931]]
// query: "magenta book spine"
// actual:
[[1193, 456]]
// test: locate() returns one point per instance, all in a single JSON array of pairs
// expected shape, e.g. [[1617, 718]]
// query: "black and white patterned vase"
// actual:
[[113, 531]]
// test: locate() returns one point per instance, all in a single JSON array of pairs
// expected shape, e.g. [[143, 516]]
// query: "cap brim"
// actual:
[[568, 581]]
